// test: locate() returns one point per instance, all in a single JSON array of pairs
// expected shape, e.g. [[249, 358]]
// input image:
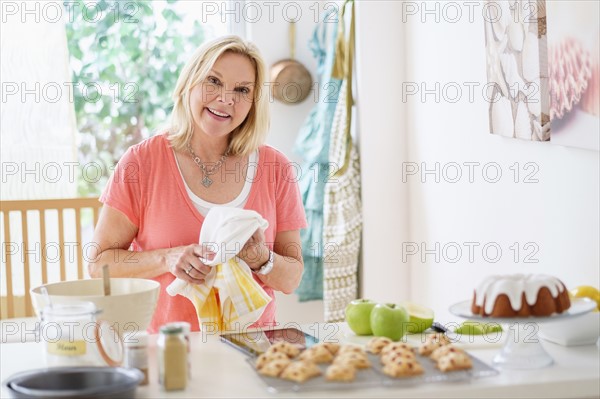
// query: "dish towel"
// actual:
[[229, 298]]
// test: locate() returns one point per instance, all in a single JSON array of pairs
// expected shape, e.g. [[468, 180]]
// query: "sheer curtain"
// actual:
[[37, 118], [38, 151]]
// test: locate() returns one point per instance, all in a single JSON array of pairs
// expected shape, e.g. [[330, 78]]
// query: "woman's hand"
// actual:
[[255, 252], [185, 263]]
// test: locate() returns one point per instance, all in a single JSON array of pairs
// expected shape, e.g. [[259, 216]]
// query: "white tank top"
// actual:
[[238, 202]]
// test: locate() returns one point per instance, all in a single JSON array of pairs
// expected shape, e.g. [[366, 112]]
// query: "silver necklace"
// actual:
[[207, 171]]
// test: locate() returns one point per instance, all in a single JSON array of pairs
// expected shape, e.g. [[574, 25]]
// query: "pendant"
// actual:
[[206, 182]]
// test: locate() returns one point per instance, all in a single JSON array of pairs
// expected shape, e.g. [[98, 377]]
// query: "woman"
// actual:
[[212, 154]]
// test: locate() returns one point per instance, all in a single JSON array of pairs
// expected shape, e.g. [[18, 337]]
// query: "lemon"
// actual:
[[586, 291], [420, 318]]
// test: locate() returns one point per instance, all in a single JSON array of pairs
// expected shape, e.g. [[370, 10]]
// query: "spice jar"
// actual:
[[172, 358], [186, 328], [136, 352]]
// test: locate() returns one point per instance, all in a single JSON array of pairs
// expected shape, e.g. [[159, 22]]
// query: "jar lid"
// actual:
[[185, 326], [135, 338], [170, 329]]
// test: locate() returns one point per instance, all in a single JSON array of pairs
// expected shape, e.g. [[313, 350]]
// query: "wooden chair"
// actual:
[[35, 213]]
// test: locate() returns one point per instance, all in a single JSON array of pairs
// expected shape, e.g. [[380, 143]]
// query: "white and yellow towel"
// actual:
[[229, 298]]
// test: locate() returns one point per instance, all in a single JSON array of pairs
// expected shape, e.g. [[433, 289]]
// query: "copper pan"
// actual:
[[290, 80]]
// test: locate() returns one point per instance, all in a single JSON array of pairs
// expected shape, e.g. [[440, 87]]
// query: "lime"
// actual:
[[477, 328], [420, 318]]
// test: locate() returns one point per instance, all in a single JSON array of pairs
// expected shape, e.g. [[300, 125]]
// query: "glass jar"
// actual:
[[136, 352], [71, 337], [172, 358]]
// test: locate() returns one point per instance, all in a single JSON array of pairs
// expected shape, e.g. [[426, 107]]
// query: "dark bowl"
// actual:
[[75, 382]]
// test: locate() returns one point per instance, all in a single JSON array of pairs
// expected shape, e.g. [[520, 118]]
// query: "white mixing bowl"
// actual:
[[129, 307]]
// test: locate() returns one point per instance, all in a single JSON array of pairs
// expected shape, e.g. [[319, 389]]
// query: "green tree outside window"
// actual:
[[125, 58]]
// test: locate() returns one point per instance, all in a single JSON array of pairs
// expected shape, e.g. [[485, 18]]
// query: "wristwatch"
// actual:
[[267, 267]]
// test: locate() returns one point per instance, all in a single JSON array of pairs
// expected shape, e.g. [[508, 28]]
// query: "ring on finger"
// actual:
[[189, 270]]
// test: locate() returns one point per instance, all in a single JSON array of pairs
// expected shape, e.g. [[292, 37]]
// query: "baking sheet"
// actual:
[[374, 376]]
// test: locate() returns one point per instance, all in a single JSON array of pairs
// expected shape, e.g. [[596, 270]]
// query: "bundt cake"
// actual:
[[520, 295]]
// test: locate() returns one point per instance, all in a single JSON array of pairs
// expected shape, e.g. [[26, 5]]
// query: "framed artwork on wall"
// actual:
[[573, 67], [542, 69]]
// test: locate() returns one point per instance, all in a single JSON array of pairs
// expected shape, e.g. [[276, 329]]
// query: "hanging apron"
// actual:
[[312, 144], [342, 209]]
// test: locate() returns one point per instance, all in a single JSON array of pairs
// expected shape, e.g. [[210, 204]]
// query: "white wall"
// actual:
[[559, 214], [273, 42], [271, 36], [381, 118]]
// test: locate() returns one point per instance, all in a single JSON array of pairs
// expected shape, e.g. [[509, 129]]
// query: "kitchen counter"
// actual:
[[219, 370]]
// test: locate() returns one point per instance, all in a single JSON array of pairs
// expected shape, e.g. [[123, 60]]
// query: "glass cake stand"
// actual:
[[522, 348]]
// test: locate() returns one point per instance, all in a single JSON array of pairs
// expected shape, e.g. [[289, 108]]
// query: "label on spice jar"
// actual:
[[67, 348]]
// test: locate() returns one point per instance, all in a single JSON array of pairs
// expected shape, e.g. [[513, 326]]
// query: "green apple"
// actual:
[[389, 320], [358, 316], [420, 317]]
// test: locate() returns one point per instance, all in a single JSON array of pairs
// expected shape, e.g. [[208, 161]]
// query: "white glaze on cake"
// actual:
[[513, 286]]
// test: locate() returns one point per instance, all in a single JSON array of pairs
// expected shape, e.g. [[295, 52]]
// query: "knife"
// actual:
[[439, 327]]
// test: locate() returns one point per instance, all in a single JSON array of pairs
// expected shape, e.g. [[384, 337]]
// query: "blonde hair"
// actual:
[[253, 130]]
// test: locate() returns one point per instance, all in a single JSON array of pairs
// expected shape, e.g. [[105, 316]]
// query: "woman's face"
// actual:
[[222, 101]]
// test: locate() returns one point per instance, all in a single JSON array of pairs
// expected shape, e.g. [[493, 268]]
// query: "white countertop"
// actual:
[[219, 370]]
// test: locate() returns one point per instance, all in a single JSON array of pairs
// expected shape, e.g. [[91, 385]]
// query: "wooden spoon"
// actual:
[[106, 278]]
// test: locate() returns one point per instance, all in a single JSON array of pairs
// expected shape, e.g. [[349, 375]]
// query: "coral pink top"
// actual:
[[148, 188]]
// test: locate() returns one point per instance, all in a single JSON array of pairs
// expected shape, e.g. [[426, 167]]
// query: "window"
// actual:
[[125, 58]]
